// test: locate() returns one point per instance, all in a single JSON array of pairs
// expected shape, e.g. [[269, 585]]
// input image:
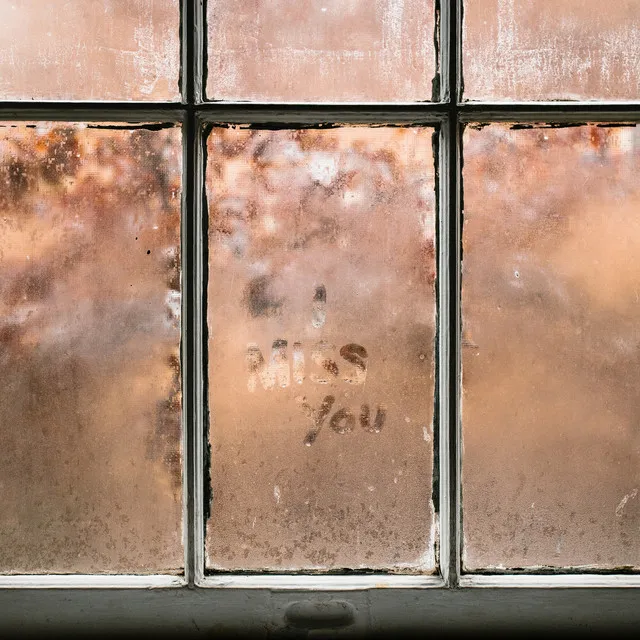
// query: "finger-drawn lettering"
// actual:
[[343, 421], [318, 417], [356, 355], [322, 355], [319, 310], [378, 423], [276, 373]]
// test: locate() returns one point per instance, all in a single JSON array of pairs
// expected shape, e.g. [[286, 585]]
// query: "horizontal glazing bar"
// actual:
[[548, 112], [301, 115], [101, 112]]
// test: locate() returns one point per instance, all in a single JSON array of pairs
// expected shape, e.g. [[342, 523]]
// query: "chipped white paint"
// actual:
[[322, 582], [91, 582], [622, 140], [577, 581], [277, 494], [323, 167], [623, 502], [173, 302]]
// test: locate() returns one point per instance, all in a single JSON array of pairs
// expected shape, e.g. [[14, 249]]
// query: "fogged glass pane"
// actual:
[[323, 51], [321, 330], [551, 286], [90, 453], [89, 49], [551, 49]]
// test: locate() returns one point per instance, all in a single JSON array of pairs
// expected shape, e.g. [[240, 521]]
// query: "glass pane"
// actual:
[[551, 50], [89, 50], [321, 356], [90, 444], [329, 51], [551, 444]]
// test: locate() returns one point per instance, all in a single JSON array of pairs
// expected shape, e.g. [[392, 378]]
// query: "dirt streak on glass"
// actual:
[[89, 49], [551, 303], [90, 453], [551, 50], [321, 348], [321, 51]]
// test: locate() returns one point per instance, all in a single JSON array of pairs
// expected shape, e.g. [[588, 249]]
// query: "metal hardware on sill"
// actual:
[[311, 614]]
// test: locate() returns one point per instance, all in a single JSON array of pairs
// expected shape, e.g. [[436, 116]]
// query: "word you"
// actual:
[[343, 421]]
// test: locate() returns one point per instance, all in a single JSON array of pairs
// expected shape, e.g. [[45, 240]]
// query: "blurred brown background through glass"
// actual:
[[551, 347], [321, 337], [90, 453]]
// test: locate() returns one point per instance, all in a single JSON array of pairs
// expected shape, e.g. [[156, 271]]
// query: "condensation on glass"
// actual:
[[321, 51], [551, 50], [551, 302], [89, 49], [90, 436], [321, 348]]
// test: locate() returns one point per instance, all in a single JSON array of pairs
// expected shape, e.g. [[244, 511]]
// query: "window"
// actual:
[[303, 332]]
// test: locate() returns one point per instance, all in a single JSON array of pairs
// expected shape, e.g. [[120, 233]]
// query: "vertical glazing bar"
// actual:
[[200, 244], [441, 415], [452, 152], [192, 39], [443, 241], [200, 221], [191, 365], [441, 436]]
